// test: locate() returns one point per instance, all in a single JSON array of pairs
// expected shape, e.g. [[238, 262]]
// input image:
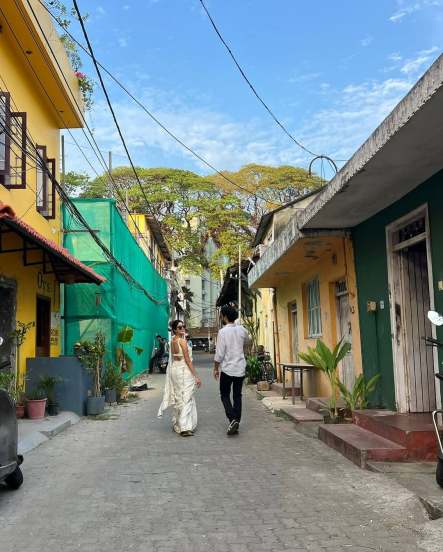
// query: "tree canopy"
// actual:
[[191, 208]]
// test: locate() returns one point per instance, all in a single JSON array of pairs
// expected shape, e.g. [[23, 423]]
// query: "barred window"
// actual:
[[314, 309]]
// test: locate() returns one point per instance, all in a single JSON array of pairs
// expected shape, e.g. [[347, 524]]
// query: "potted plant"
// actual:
[[47, 384], [20, 399], [18, 337], [15, 390], [356, 398], [253, 369], [111, 381], [91, 355], [36, 404], [327, 360]]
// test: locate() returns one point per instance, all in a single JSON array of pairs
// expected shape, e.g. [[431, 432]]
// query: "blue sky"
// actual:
[[330, 70]]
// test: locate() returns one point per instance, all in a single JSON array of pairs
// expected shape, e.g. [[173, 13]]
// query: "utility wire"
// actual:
[[251, 86], [152, 116], [102, 161], [79, 217], [39, 162], [108, 101]]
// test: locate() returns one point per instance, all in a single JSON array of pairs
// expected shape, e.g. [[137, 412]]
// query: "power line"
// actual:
[[152, 116], [103, 162], [79, 217], [251, 86], [108, 101]]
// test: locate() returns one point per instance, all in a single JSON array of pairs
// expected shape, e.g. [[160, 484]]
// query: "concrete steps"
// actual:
[[415, 432], [360, 445]]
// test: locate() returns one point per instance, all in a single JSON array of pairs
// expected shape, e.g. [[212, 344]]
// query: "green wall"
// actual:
[[372, 280]]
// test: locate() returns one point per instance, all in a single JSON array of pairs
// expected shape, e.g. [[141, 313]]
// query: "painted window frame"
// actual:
[[313, 308], [51, 196], [21, 137], [42, 206], [5, 98]]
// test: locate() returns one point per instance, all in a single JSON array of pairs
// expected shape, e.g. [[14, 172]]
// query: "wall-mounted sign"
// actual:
[[43, 284], [55, 327]]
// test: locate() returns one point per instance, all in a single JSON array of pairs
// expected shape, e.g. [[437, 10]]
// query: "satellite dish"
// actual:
[[435, 318]]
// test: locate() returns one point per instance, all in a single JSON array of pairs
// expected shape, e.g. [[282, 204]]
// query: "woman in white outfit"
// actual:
[[181, 382]]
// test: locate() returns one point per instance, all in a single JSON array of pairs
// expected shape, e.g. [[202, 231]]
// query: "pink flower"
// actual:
[[80, 75]]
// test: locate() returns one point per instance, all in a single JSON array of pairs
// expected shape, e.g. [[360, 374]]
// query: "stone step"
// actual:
[[318, 403], [413, 431], [278, 387], [300, 415], [359, 445]]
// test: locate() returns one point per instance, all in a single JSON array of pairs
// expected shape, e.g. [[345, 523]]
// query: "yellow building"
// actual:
[[308, 291], [149, 235], [39, 95]]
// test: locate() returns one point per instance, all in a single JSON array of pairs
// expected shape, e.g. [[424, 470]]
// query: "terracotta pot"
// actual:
[[36, 409], [20, 410]]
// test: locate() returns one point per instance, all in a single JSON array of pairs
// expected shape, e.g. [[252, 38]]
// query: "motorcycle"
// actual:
[[437, 320]]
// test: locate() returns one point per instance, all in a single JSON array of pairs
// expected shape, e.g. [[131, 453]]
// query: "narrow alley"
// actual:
[[130, 483]]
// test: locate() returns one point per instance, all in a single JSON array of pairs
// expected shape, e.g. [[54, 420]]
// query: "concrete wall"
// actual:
[[72, 392]]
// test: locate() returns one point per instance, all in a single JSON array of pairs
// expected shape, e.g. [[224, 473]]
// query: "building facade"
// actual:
[[307, 292], [39, 95]]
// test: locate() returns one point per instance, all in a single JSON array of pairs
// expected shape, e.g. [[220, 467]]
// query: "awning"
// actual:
[[53, 259]]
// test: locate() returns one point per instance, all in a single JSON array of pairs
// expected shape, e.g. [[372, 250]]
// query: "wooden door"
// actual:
[[344, 330], [43, 327], [415, 303]]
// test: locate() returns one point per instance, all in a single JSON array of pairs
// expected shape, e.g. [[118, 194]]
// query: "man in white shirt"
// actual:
[[230, 359]]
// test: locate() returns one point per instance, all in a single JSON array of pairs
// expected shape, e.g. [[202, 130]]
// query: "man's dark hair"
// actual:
[[230, 313]]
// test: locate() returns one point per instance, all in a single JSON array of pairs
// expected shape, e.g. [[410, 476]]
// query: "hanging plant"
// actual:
[[86, 88]]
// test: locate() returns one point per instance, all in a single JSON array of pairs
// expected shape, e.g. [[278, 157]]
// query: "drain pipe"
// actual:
[[276, 334]]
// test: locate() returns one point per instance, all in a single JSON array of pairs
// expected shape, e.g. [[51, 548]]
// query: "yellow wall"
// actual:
[[331, 267], [147, 239], [264, 312], [43, 125]]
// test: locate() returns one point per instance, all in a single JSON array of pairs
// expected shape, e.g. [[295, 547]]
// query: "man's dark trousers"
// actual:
[[233, 411]]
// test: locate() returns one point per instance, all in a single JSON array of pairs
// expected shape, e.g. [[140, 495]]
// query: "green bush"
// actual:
[[253, 369]]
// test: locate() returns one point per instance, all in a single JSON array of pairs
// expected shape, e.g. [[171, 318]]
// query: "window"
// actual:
[[12, 145], [50, 212], [42, 180], [4, 138], [314, 309]]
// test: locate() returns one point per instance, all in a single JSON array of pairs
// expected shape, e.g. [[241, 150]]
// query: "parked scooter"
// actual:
[[10, 461], [437, 320], [160, 358]]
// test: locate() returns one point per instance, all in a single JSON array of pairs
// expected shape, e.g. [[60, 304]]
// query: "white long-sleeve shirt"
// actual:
[[229, 351]]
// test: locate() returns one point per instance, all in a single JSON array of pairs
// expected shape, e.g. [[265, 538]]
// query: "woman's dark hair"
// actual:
[[175, 323], [230, 313]]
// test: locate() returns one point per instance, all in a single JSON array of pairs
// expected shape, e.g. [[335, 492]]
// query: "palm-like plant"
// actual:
[[327, 360], [356, 398]]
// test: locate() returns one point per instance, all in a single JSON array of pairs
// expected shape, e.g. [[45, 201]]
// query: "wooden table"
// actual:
[[293, 367]]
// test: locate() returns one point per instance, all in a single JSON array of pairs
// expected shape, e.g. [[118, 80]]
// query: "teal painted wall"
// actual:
[[372, 280]]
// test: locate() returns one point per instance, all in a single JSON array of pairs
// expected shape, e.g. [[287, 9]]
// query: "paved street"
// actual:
[[130, 483]]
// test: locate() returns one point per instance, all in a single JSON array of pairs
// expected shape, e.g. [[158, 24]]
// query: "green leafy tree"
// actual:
[[75, 183], [267, 187], [190, 210]]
